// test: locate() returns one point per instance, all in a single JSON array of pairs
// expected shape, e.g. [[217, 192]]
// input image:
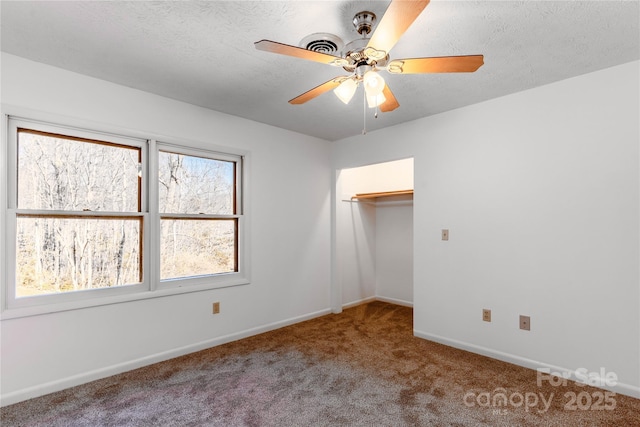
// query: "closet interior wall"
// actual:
[[375, 235]]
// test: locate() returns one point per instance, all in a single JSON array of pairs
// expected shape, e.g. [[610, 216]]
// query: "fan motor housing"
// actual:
[[356, 54]]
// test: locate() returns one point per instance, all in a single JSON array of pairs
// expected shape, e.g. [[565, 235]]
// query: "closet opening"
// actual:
[[374, 234]]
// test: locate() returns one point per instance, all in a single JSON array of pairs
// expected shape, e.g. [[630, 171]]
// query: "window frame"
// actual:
[[202, 282], [151, 286]]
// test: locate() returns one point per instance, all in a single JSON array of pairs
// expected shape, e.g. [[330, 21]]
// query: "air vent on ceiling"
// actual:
[[323, 43]]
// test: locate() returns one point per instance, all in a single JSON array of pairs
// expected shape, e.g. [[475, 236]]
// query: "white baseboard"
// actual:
[[395, 301], [358, 302], [85, 377], [377, 298], [621, 388]]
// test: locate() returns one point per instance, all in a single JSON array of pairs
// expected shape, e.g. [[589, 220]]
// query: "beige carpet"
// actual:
[[359, 368]]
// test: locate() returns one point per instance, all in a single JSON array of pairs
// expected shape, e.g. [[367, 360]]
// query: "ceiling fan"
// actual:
[[363, 58]]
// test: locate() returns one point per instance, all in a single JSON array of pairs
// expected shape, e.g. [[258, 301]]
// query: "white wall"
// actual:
[[540, 191], [394, 249], [289, 202], [355, 224], [374, 239]]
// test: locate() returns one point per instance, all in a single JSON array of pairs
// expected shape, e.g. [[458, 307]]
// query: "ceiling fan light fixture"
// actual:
[[346, 90], [362, 58], [373, 83]]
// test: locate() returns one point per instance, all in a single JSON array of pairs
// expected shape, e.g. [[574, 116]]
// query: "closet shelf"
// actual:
[[361, 196]]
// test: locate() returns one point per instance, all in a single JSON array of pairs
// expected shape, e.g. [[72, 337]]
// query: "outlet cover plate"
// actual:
[[525, 323], [486, 315]]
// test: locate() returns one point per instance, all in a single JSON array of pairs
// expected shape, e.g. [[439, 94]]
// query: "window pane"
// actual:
[[195, 185], [60, 173], [68, 254], [197, 247]]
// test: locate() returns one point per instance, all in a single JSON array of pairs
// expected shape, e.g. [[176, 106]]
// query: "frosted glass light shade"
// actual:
[[375, 100], [373, 83], [346, 90]]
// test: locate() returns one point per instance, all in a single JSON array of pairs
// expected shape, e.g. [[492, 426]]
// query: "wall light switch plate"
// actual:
[[216, 307], [445, 234], [525, 323]]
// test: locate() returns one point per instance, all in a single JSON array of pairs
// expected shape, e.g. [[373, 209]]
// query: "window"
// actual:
[[93, 216], [198, 205]]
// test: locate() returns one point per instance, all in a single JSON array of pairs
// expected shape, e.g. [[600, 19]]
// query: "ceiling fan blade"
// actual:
[[443, 64], [390, 102], [318, 90], [396, 20], [298, 52]]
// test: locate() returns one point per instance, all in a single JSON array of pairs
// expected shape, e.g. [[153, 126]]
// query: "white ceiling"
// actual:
[[202, 52]]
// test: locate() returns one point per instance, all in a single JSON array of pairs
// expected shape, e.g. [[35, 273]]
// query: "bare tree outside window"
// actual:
[[60, 245], [196, 198]]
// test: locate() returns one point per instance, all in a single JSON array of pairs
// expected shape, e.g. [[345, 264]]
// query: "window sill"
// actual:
[[38, 310]]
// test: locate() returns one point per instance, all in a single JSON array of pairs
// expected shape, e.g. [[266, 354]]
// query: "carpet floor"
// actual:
[[363, 367]]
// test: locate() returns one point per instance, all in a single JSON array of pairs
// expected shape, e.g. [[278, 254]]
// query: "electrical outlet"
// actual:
[[486, 315], [525, 323], [216, 307], [445, 234]]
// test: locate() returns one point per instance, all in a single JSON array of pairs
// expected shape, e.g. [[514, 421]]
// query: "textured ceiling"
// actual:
[[202, 52]]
